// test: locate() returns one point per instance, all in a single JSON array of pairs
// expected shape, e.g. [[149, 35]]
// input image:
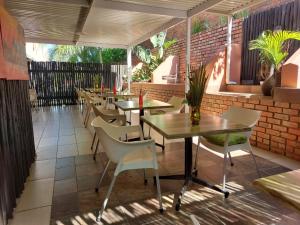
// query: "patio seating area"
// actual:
[[63, 180]]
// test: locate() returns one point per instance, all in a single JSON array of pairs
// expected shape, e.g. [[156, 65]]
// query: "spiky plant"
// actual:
[[271, 46], [197, 79]]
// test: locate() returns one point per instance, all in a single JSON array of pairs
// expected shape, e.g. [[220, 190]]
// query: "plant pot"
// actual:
[[195, 115], [268, 85]]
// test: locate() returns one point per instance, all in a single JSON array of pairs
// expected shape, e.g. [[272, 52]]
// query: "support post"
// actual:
[[129, 68], [229, 42], [188, 57]]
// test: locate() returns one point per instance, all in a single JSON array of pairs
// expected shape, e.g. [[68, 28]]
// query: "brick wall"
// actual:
[[205, 45], [278, 129], [160, 92]]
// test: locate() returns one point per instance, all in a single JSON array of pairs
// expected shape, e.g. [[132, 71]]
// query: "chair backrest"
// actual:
[[243, 116], [177, 103], [109, 136], [109, 115]]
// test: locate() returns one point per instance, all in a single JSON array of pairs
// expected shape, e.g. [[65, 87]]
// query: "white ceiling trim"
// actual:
[[77, 3], [165, 26], [101, 45], [133, 7], [203, 7]]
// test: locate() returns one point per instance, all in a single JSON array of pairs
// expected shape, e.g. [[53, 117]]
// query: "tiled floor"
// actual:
[[60, 189]]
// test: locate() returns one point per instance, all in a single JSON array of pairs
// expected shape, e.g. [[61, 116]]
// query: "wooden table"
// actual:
[[174, 126], [147, 104]]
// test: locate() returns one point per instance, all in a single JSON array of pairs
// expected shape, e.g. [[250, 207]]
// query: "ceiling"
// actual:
[[110, 23]]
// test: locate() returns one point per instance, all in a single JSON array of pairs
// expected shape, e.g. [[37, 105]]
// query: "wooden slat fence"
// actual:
[[285, 17], [55, 82]]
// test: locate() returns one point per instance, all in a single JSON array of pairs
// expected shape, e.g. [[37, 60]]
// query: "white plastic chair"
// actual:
[[177, 103], [110, 116], [240, 116], [127, 155], [89, 100]]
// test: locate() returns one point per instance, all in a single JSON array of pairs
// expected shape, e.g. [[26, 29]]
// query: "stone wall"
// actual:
[[278, 129]]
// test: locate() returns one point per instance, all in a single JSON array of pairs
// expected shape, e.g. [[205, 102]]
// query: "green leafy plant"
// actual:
[[271, 46], [199, 26], [197, 79], [151, 60], [97, 81], [142, 75]]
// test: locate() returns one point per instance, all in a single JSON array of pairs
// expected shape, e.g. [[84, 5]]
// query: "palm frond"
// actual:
[[271, 46]]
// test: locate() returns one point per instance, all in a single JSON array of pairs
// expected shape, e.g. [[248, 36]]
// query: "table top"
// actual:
[[147, 104], [173, 126]]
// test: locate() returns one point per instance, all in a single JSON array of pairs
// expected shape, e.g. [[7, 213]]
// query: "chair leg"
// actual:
[[163, 145], [149, 132], [102, 176], [253, 157], [93, 141], [161, 209], [96, 150], [87, 119], [230, 159], [106, 198]]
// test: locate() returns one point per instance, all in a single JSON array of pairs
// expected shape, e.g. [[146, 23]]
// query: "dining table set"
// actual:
[[176, 126]]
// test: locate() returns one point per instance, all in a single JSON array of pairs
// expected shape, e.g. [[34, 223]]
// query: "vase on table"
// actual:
[[195, 115]]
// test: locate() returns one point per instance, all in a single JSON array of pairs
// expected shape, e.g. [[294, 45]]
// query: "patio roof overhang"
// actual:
[[110, 23]]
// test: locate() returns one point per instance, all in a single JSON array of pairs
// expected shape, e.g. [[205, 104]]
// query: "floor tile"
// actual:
[[64, 205], [46, 154], [42, 169], [66, 140], [89, 169], [65, 162], [67, 186], [65, 173], [47, 148], [84, 138], [84, 148], [67, 150], [48, 141], [36, 194], [89, 182], [66, 132], [39, 216]]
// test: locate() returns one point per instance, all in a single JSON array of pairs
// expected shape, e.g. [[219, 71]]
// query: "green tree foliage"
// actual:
[[271, 46], [85, 54], [71, 53], [114, 55]]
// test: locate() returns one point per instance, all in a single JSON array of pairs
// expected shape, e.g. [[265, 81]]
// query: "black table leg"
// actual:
[[188, 160], [189, 176]]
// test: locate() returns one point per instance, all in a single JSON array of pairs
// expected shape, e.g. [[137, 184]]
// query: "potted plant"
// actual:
[[197, 79], [273, 52], [97, 81]]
